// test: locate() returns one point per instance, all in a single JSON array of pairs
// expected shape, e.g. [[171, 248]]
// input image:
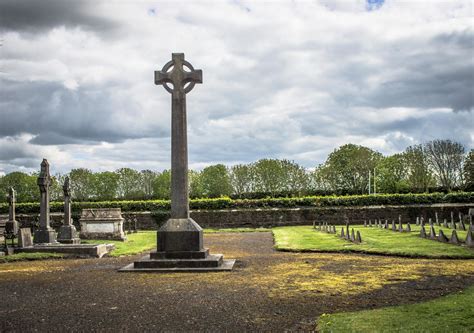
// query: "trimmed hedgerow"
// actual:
[[227, 203]]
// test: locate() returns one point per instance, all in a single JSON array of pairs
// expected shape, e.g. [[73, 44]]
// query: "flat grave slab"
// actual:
[[88, 250]]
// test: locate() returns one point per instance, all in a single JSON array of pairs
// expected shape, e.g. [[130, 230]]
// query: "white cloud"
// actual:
[[286, 79]]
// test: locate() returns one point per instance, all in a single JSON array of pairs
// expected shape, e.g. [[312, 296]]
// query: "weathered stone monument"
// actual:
[[45, 234], [102, 223], [24, 237], [67, 232], [180, 239], [11, 226]]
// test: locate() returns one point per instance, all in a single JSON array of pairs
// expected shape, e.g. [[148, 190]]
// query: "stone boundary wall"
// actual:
[[271, 217]]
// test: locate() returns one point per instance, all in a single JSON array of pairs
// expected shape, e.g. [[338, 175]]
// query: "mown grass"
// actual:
[[374, 240], [452, 313], [136, 243], [30, 256]]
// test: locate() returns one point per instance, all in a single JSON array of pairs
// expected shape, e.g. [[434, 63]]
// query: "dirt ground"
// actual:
[[267, 291]]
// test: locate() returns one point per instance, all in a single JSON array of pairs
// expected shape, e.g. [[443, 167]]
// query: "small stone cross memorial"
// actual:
[[67, 232], [11, 226]]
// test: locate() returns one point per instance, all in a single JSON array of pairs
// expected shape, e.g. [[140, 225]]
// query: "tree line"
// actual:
[[438, 165]]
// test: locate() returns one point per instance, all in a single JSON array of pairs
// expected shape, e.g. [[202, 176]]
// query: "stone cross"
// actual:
[[45, 234], [67, 202], [11, 203], [11, 226], [182, 82]]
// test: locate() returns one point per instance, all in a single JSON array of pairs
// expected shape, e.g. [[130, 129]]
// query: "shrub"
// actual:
[[283, 202]]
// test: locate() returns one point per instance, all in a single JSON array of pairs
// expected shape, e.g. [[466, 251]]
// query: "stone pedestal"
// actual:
[[102, 223], [45, 236], [68, 235]]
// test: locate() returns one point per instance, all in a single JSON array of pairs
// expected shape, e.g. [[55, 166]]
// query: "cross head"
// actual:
[[174, 72]]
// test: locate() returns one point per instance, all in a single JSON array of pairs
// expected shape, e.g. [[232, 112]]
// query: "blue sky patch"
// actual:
[[374, 4]]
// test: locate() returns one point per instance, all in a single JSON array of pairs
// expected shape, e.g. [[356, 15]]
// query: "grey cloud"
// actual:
[[34, 16], [56, 115]]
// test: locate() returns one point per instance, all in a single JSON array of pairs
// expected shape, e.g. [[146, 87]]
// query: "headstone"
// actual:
[[394, 227], [342, 233], [24, 238], [452, 217], [44, 234], [102, 223], [454, 238], [470, 239], [417, 220], [370, 223], [180, 239], [334, 229], [422, 221], [445, 223], [471, 226], [319, 226], [408, 229], [422, 232], [11, 226], [460, 217], [436, 219], [386, 224], [365, 223], [352, 235], [462, 226], [358, 239], [432, 232], [68, 233], [430, 222], [453, 225], [400, 225], [442, 237]]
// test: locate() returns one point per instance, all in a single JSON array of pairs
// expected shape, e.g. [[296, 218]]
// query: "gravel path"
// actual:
[[268, 290]]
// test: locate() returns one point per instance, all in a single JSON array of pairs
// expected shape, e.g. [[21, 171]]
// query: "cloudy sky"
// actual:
[[282, 79]]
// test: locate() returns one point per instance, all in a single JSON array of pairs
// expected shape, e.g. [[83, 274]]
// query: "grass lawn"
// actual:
[[211, 231], [374, 240], [30, 256], [452, 313], [136, 243]]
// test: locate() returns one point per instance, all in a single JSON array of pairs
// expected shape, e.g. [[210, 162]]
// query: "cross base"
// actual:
[[45, 236], [68, 235]]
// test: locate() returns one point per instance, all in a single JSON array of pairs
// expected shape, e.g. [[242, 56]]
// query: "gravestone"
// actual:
[[422, 232], [67, 232], [24, 238], [386, 224], [408, 229], [11, 226], [417, 220], [358, 238], [454, 238], [452, 217], [436, 219], [400, 225], [102, 223], [445, 223], [44, 234], [394, 227], [352, 235], [470, 238], [462, 226], [370, 223], [342, 233], [441, 236], [180, 240], [422, 221], [365, 223], [432, 232]]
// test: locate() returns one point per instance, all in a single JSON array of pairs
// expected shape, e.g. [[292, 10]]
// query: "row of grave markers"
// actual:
[[349, 235], [454, 239], [393, 226]]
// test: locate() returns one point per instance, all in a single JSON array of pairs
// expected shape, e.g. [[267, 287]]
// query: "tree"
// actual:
[[82, 184], [446, 158], [195, 184], [469, 171], [420, 177], [392, 174], [106, 185], [24, 184], [347, 168], [147, 178], [241, 179], [269, 176], [215, 181], [162, 185], [129, 184]]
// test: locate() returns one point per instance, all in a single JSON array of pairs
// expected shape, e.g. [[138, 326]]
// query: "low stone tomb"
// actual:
[[102, 223]]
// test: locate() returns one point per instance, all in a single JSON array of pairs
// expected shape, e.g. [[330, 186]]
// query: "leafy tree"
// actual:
[[347, 168], [215, 181], [195, 184], [469, 171], [392, 174], [162, 185], [129, 184], [420, 177], [241, 179], [106, 185], [446, 158], [82, 184], [24, 185], [147, 178], [269, 176]]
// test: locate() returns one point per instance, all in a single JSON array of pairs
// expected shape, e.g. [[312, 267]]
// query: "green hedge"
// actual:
[[227, 203]]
